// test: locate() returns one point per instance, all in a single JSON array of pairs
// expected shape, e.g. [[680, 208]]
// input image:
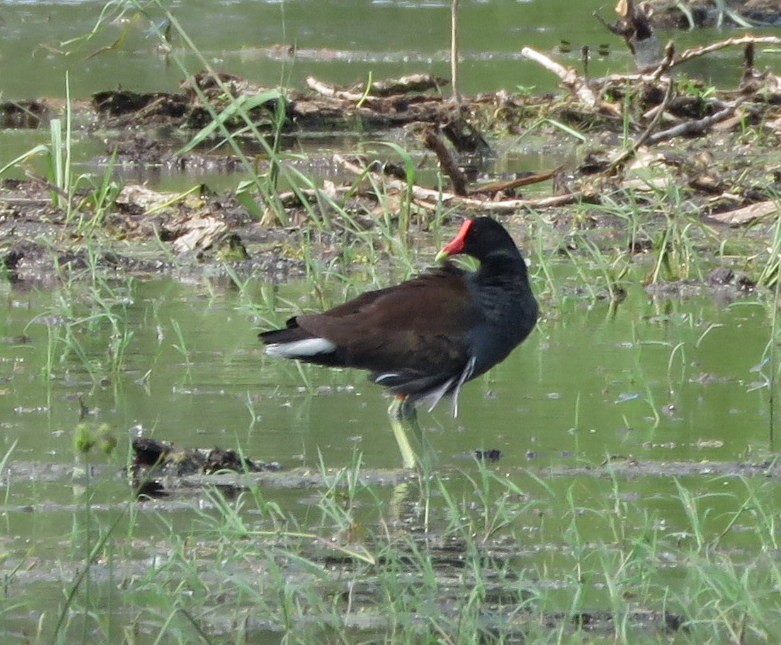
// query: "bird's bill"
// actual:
[[456, 245]]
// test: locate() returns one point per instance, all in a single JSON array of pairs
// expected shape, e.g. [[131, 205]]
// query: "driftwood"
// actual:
[[746, 215], [332, 91], [404, 85], [569, 77], [378, 89]]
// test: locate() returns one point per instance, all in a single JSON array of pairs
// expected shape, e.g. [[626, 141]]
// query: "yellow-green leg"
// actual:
[[402, 413]]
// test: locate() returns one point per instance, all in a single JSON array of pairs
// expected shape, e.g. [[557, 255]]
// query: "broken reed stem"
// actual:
[[454, 51]]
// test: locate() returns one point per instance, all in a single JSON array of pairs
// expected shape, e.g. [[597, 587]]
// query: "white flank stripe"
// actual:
[[385, 377], [301, 348]]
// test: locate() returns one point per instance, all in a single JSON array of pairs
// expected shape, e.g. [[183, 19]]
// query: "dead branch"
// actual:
[[569, 77], [428, 198], [378, 89], [402, 85], [670, 60], [446, 161]]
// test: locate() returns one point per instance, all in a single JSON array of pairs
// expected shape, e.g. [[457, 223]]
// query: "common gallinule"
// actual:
[[424, 338]]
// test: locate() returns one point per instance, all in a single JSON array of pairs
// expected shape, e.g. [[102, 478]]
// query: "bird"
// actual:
[[424, 338]]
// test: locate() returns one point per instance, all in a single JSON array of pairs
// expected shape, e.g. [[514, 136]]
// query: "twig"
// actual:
[[500, 186], [695, 127], [696, 52]]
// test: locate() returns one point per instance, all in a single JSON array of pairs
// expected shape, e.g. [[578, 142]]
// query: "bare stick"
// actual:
[[730, 42], [696, 52], [512, 184], [428, 198], [330, 91], [454, 50]]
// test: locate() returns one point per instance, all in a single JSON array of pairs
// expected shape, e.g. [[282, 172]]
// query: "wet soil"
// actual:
[[714, 146], [717, 148]]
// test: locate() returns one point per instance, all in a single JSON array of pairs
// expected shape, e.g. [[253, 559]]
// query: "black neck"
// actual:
[[503, 262]]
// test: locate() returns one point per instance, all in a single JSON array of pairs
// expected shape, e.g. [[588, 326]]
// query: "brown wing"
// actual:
[[419, 325]]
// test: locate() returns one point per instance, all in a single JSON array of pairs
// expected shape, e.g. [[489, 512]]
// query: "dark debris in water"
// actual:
[[23, 114], [155, 460], [188, 473], [491, 455], [183, 461]]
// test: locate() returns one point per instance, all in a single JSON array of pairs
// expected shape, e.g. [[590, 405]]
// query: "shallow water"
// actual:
[[657, 380], [341, 42]]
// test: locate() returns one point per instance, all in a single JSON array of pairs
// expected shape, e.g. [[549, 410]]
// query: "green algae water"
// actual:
[[275, 43]]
